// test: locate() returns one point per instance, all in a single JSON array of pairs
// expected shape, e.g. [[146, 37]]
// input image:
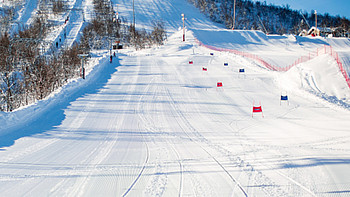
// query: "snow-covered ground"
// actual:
[[151, 124], [25, 14]]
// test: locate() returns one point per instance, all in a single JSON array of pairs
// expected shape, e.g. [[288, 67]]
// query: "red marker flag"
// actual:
[[257, 109]]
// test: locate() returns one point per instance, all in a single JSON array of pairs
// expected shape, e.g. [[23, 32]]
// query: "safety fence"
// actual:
[[311, 55], [244, 54], [329, 50]]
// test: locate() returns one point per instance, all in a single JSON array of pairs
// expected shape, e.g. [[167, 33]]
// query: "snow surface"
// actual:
[[24, 16], [151, 124]]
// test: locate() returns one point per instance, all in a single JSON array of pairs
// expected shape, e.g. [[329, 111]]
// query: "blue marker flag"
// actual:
[[284, 98]]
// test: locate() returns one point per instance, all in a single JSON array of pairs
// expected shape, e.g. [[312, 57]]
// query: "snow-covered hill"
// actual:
[[152, 124]]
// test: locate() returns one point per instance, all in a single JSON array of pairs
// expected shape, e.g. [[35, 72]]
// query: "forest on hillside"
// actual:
[[30, 72], [270, 19]]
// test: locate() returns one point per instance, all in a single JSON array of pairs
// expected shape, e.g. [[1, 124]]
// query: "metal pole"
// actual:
[[83, 58], [133, 12], [183, 27], [82, 68], [117, 14], [234, 15], [262, 24], [305, 19], [316, 22], [110, 51]]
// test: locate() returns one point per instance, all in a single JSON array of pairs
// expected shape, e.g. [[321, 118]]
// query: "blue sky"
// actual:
[[333, 7]]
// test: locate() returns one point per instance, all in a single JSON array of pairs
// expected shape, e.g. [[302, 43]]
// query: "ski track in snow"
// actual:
[[158, 126]]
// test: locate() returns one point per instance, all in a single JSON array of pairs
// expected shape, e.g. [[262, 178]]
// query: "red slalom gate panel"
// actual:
[[204, 69], [219, 84], [257, 109], [190, 62]]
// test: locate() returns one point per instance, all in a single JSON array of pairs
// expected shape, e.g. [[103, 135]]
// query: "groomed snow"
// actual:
[[151, 124]]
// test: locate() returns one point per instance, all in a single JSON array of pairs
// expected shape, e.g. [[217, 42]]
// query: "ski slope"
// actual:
[[151, 124], [279, 51], [24, 15]]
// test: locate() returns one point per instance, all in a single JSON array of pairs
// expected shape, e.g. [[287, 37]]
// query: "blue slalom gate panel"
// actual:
[[284, 98], [241, 70], [225, 64]]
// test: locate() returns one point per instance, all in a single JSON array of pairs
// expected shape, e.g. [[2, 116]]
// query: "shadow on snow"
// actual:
[[53, 113]]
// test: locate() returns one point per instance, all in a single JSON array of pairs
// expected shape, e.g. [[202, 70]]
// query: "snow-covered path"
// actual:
[[74, 24], [25, 15], [151, 124], [159, 126], [69, 26]]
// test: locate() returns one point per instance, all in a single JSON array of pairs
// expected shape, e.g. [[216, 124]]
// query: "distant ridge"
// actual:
[[270, 19]]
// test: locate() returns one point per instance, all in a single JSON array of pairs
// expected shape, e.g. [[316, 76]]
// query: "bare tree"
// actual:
[[158, 34], [58, 6]]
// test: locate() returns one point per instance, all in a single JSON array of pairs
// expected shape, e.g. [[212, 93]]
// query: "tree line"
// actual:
[[268, 18], [27, 74]]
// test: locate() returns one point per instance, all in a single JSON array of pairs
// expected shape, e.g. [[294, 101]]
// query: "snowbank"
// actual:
[[320, 77], [49, 112]]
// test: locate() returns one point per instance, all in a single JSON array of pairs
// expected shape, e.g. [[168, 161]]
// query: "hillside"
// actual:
[[271, 19]]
